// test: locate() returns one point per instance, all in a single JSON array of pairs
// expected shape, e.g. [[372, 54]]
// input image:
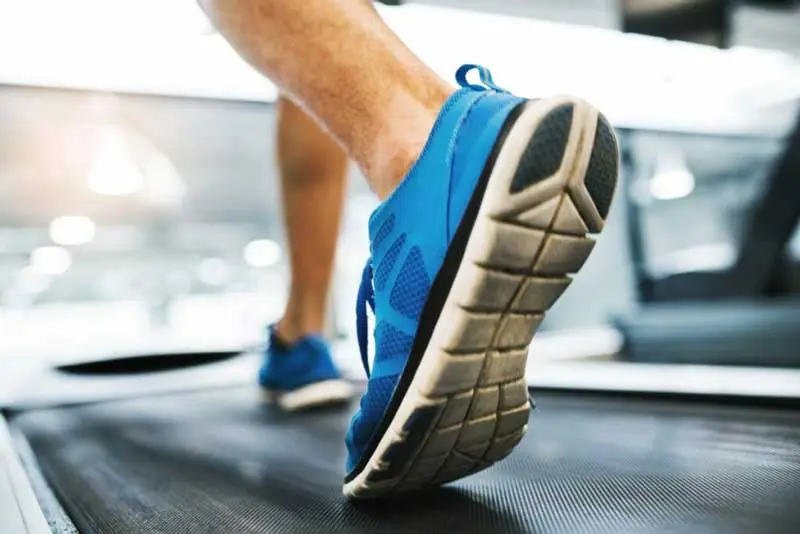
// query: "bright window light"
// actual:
[[672, 178], [672, 184], [113, 172], [262, 253], [72, 230], [51, 260]]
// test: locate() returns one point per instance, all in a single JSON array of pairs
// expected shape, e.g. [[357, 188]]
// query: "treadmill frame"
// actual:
[[761, 268], [21, 511]]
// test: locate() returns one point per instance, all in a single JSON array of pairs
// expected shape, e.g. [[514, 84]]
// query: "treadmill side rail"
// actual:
[[21, 513]]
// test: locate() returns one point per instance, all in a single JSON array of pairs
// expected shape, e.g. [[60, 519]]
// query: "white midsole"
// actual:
[[326, 392]]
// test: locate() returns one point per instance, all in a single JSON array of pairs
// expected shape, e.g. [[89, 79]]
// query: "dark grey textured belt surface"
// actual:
[[219, 462]]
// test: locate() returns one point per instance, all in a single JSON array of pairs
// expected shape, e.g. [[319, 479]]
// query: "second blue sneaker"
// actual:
[[467, 254], [301, 375]]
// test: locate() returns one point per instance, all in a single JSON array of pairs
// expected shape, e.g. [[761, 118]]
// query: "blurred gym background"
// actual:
[[138, 201]]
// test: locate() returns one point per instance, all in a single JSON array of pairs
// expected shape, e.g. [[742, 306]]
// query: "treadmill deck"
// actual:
[[218, 461]]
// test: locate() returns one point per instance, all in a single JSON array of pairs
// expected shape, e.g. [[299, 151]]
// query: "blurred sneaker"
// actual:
[[467, 254], [301, 375]]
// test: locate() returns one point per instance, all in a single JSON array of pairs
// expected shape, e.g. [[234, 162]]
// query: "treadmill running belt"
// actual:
[[219, 462]]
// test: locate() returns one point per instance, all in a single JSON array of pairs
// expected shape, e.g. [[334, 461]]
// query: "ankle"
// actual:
[[402, 139], [394, 164], [291, 330]]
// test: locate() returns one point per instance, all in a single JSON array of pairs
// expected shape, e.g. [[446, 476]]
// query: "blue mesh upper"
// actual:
[[419, 219], [412, 286], [387, 263], [391, 342], [383, 231]]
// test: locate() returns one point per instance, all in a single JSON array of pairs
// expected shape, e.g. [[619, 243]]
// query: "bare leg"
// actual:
[[346, 67], [313, 170]]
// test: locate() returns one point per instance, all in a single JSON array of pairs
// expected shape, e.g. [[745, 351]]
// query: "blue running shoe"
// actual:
[[467, 254], [302, 375]]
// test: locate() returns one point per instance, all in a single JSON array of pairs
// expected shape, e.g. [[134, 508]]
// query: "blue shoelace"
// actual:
[[366, 294]]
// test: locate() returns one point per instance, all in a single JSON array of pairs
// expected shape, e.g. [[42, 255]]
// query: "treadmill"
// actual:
[[179, 443]]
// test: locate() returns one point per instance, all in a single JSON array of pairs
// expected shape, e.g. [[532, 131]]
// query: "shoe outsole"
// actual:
[[466, 405]]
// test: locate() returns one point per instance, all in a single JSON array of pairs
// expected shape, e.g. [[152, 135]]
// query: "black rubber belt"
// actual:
[[218, 462]]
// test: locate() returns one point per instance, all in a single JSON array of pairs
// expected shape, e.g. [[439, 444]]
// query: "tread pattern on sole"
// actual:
[[545, 151], [601, 175], [474, 410]]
